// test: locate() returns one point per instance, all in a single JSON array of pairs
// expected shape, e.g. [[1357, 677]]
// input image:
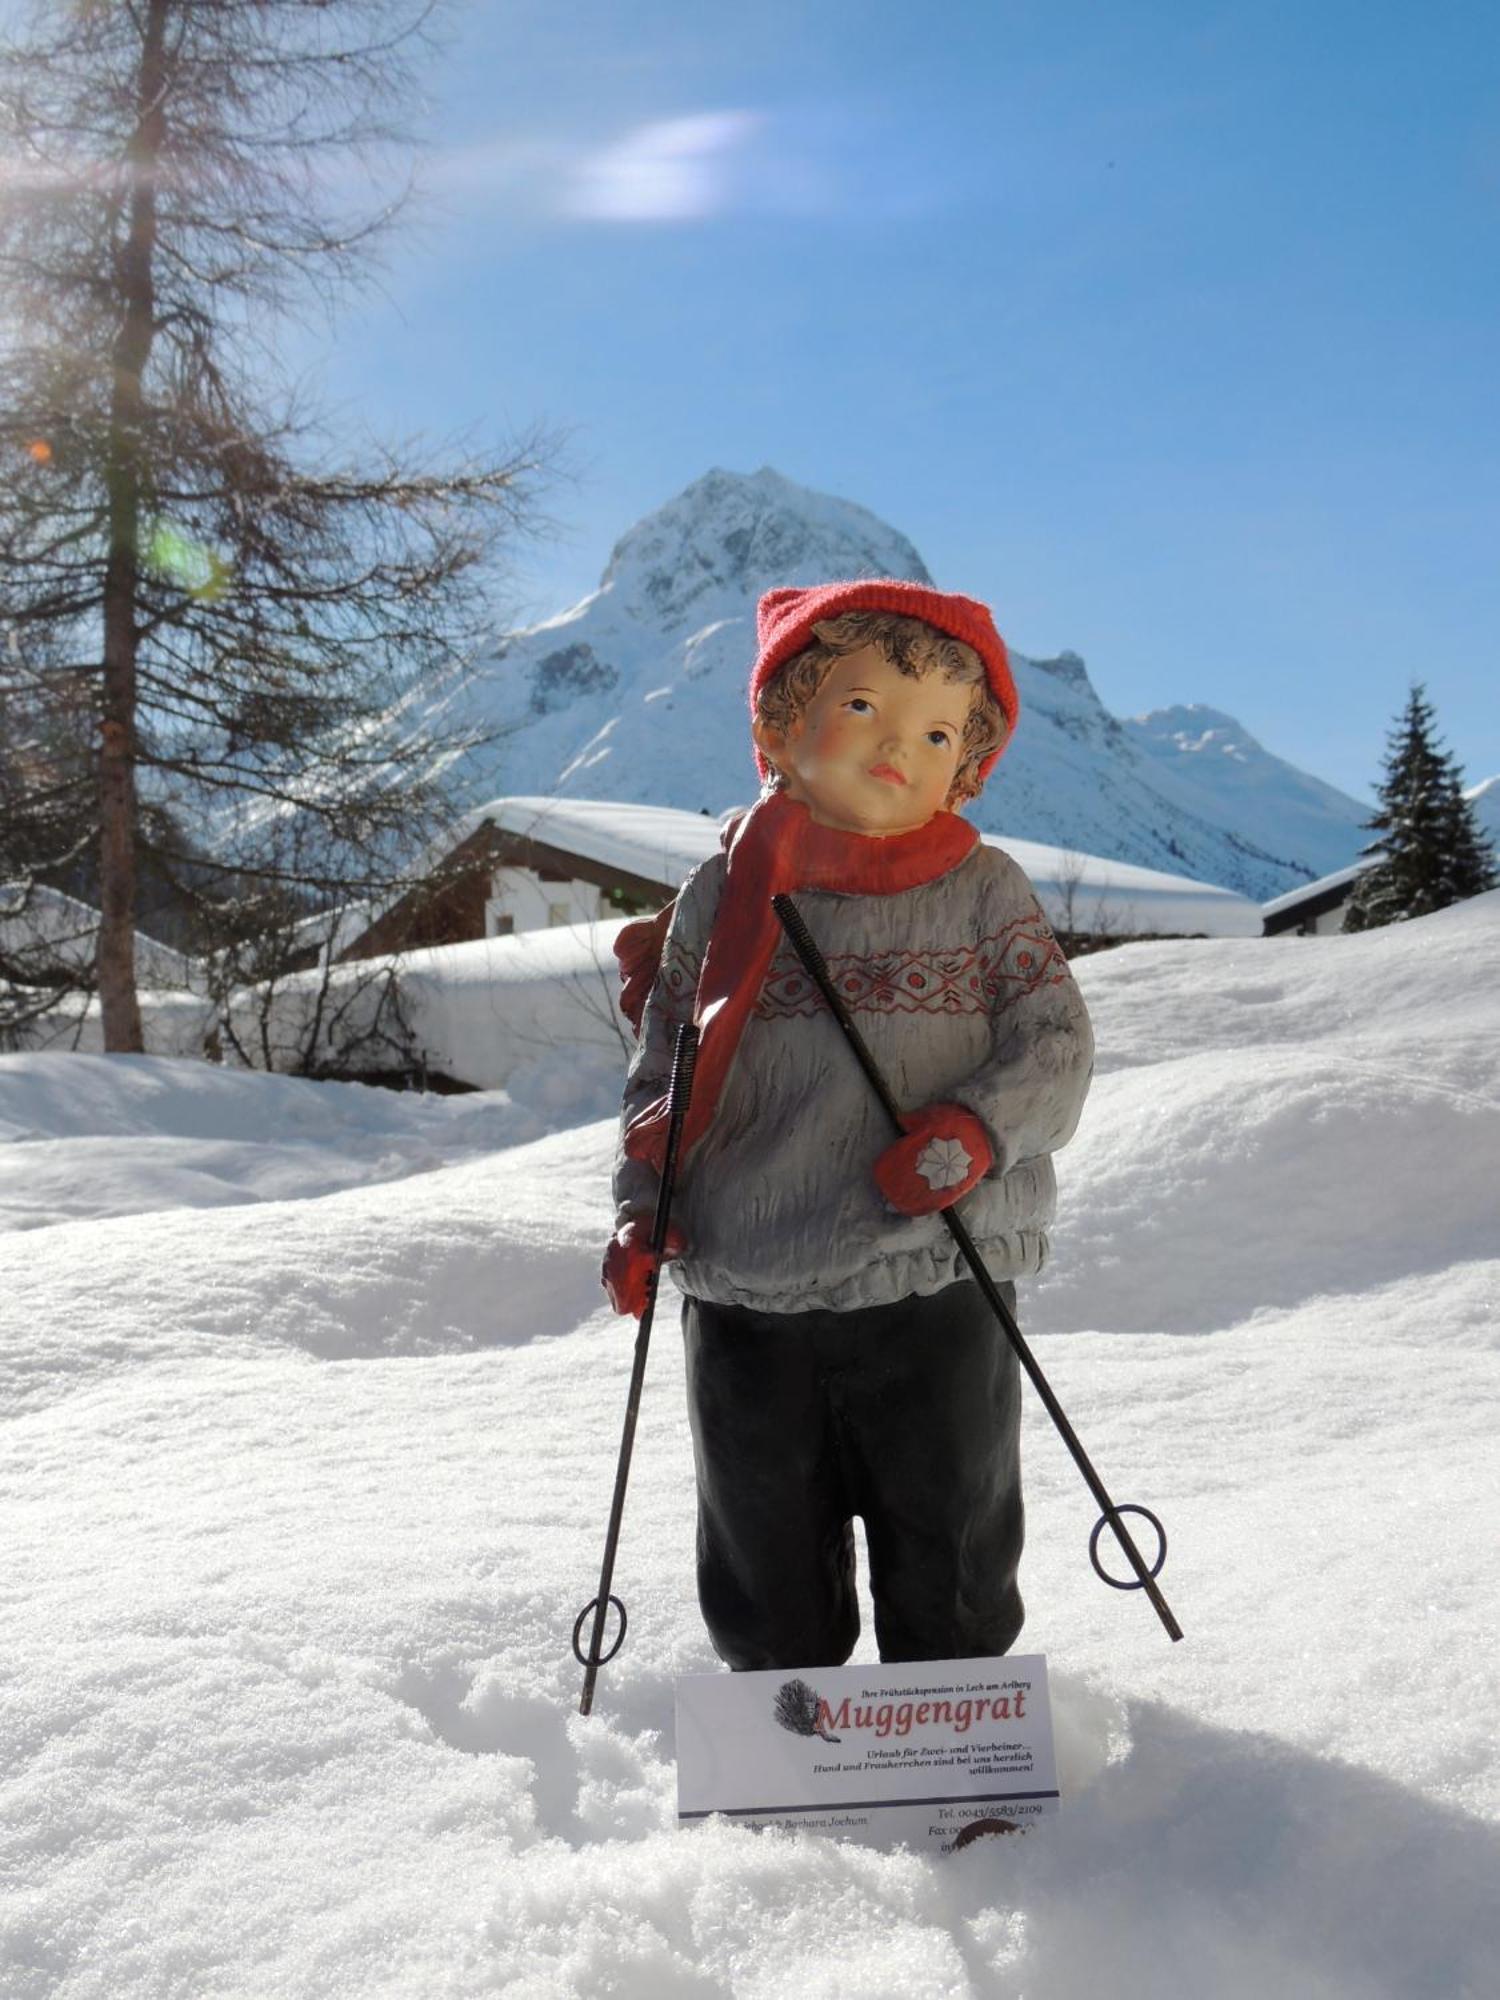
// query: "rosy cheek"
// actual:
[[833, 735]]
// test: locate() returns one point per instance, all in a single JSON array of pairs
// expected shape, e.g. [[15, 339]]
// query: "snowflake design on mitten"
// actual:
[[943, 1163]]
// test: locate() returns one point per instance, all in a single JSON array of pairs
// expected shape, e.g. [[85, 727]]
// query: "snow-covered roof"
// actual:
[[1090, 892], [1306, 891], [67, 929], [1078, 891], [1484, 798], [335, 928], [660, 842]]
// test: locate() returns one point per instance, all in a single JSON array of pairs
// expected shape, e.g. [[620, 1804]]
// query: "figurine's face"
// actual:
[[874, 751]]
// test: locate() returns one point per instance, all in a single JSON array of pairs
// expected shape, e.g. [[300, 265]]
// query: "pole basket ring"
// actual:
[[1132, 1582], [579, 1654]]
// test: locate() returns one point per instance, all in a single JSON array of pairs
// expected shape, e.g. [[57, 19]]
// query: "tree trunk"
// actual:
[[118, 1004]]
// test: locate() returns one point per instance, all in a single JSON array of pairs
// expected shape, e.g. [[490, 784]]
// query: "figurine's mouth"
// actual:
[[888, 772]]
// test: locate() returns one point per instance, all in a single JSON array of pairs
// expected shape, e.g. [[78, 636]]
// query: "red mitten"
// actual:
[[627, 1264], [945, 1151]]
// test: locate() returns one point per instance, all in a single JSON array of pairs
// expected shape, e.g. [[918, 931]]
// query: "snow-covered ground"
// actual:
[[536, 1013], [312, 1408]]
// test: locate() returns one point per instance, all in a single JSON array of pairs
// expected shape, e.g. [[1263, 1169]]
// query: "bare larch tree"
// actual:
[[254, 622]]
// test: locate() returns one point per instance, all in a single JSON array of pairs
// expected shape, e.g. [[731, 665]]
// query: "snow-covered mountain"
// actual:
[[638, 693], [1485, 799], [1212, 765]]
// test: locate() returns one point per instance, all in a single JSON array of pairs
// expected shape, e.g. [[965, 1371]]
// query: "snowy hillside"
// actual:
[[1201, 758], [306, 1471], [638, 693]]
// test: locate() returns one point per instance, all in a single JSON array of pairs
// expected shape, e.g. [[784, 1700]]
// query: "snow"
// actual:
[[81, 1137], [47, 922], [1309, 891], [536, 1012], [1089, 892], [487, 1013], [1485, 799], [1213, 769], [662, 843], [312, 1412], [659, 842]]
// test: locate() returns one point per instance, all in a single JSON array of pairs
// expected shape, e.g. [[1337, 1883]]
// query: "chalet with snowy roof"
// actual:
[[1313, 908], [519, 865], [527, 864]]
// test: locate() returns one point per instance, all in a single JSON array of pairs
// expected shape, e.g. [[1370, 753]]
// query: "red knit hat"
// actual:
[[784, 621]]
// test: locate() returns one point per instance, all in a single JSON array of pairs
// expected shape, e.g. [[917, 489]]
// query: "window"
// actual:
[[558, 913]]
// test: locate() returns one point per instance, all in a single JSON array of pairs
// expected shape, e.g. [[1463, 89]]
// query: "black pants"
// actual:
[[907, 1415]]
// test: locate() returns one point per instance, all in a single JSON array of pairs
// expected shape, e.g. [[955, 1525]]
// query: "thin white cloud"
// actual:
[[847, 160], [671, 170]]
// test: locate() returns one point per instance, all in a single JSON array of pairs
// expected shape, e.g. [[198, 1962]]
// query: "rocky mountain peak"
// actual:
[[731, 535], [1067, 667]]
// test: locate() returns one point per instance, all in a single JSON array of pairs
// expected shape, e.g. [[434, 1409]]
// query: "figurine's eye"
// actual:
[[860, 706], [940, 737]]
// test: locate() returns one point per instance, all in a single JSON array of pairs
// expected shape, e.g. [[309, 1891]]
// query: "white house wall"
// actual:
[[535, 905]]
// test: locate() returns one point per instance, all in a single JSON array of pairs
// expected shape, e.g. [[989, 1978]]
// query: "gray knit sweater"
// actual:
[[963, 996]]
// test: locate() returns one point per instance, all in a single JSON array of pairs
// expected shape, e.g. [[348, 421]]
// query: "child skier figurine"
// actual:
[[840, 1360]]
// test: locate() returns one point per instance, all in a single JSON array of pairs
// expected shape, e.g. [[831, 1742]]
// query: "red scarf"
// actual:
[[774, 849]]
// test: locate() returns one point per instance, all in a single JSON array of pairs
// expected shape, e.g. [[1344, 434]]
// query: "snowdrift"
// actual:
[[312, 1410]]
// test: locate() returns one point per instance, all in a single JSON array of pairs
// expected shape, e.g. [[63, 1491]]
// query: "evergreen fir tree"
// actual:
[[1429, 851]]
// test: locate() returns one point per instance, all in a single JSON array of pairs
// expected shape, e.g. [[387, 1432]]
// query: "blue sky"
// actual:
[[1170, 329]]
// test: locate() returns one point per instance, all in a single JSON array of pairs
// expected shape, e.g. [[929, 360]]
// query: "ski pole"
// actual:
[[679, 1089], [812, 959]]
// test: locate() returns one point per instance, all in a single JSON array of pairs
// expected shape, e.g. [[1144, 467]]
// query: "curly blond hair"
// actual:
[[912, 647]]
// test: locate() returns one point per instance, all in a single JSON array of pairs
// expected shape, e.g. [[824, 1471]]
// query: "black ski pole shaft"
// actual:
[[679, 1090], [804, 945]]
